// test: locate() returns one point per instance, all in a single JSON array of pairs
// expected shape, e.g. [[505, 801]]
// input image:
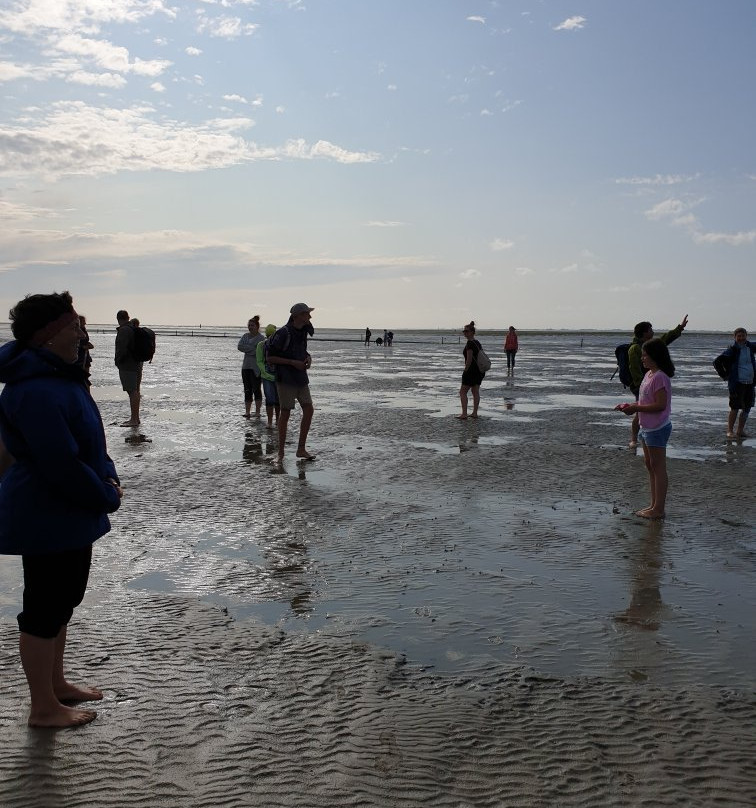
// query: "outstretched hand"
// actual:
[[684, 321]]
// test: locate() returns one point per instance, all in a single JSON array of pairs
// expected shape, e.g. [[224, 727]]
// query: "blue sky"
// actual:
[[419, 163]]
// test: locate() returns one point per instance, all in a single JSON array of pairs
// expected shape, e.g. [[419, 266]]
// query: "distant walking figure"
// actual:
[[654, 408], [511, 346], [472, 375], [738, 366], [251, 379], [368, 334]]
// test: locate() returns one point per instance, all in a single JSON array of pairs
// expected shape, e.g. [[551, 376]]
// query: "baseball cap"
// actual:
[[300, 308]]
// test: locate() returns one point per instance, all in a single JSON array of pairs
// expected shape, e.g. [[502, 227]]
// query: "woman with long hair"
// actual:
[[472, 375], [58, 486], [251, 379], [654, 407]]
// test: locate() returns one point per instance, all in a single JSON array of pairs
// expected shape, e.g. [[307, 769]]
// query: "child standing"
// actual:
[[654, 407]]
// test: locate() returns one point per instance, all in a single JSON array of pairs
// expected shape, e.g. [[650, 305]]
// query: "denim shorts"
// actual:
[[271, 393], [657, 438]]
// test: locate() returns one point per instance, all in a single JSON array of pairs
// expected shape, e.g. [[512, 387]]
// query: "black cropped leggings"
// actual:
[[54, 585]]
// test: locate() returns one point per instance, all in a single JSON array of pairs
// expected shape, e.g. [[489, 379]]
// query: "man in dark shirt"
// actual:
[[129, 369], [287, 353]]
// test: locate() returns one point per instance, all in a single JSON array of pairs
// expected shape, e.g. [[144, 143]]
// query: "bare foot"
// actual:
[[69, 692], [647, 513], [741, 435], [303, 454], [247, 415], [474, 415], [62, 717], [130, 423], [462, 417]]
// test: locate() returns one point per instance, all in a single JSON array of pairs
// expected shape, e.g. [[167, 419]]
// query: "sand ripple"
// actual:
[[202, 710]]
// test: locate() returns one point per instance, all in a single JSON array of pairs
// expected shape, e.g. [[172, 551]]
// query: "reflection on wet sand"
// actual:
[[645, 606], [258, 449], [288, 562]]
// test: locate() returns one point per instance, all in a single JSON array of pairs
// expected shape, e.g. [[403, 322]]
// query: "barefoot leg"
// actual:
[[463, 400], [476, 400], [63, 689], [38, 660], [659, 481]]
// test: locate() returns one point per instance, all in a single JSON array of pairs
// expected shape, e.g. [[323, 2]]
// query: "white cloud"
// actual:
[[485, 112], [469, 274], [524, 271], [224, 27], [677, 212], [157, 87], [657, 179], [733, 239], [192, 51], [636, 287], [499, 244], [32, 17], [668, 208], [112, 80], [75, 138], [238, 98], [571, 24], [481, 20], [20, 211], [10, 71], [385, 224]]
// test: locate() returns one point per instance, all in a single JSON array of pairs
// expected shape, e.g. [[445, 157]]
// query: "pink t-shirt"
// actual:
[[651, 384]]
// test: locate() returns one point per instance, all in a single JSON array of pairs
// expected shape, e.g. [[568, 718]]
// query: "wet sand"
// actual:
[[434, 612]]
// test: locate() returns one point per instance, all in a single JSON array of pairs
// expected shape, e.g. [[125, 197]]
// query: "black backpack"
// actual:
[[143, 348], [623, 364]]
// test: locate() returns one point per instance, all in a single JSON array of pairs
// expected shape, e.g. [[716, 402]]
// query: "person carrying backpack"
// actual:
[[473, 373], [287, 353], [643, 332], [129, 366]]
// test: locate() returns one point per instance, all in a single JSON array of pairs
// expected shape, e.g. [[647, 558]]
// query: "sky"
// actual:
[[392, 163]]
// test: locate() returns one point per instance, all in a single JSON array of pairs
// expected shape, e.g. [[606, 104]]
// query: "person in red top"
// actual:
[[510, 346]]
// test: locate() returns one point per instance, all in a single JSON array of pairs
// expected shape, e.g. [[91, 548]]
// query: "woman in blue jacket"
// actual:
[[55, 493]]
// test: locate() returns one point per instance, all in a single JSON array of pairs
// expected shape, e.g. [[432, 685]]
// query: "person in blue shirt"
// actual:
[[739, 364], [57, 488]]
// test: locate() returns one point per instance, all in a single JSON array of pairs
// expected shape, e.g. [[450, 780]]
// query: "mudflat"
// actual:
[[434, 612]]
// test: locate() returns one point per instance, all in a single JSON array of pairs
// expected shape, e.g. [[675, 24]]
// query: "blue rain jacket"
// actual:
[[54, 497]]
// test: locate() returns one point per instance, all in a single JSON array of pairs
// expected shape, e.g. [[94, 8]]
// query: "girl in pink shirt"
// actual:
[[653, 408]]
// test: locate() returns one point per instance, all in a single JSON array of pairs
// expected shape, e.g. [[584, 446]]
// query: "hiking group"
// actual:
[[59, 484], [646, 368]]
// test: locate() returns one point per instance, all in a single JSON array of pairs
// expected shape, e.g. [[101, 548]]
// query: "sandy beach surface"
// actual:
[[433, 613]]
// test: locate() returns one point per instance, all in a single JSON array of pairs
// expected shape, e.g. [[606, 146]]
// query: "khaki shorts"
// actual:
[[130, 379], [288, 394]]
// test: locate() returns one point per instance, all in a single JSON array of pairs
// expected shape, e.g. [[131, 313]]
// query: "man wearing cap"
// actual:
[[287, 352]]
